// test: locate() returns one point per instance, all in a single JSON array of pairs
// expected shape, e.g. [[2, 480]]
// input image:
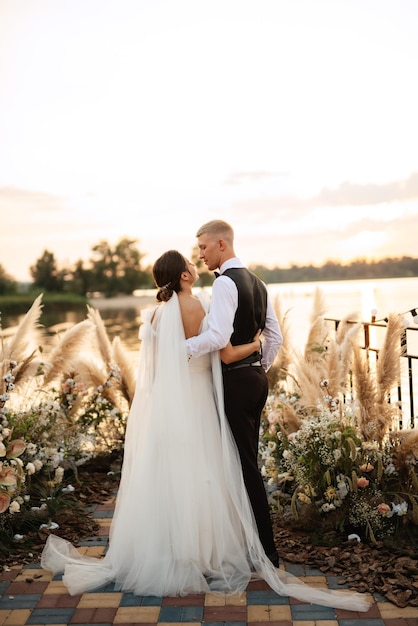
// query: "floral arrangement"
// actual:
[[325, 472], [330, 453], [57, 408]]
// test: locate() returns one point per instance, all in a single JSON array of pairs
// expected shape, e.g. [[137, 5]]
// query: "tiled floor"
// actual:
[[31, 595]]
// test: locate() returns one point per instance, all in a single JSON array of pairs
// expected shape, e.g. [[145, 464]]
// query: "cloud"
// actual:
[[237, 178], [349, 194], [366, 238], [288, 207], [26, 201]]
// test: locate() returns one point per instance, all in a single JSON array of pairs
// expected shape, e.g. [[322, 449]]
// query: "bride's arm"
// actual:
[[231, 353]]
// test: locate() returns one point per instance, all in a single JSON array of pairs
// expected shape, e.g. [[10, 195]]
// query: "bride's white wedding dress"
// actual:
[[182, 523]]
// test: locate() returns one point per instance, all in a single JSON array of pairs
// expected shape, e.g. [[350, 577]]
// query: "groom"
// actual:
[[240, 306]]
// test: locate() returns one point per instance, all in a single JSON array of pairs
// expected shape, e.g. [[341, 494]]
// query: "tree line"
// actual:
[[359, 269], [118, 269]]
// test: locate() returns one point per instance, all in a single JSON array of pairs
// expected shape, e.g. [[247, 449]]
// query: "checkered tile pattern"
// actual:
[[29, 595]]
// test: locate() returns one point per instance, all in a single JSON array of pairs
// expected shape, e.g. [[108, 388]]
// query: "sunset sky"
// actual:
[[294, 120]]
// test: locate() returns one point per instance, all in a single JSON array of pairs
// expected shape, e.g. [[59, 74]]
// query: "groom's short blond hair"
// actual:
[[217, 228]]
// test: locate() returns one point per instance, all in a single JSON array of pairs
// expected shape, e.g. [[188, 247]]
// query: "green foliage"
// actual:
[[8, 285], [45, 273], [112, 270]]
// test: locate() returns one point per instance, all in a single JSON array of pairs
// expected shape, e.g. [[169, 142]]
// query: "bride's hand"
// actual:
[[230, 353], [257, 341]]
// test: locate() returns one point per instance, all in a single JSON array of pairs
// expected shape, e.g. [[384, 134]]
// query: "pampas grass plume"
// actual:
[[62, 358], [18, 346]]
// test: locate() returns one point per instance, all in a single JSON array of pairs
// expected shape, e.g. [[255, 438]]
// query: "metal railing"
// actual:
[[407, 390]]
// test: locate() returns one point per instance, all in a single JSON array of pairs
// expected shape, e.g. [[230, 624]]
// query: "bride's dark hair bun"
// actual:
[[166, 272], [164, 293]]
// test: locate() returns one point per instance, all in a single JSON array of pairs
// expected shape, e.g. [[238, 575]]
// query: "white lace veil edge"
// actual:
[[281, 582]]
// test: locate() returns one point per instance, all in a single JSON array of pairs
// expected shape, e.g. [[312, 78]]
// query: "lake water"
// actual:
[[349, 298], [342, 298]]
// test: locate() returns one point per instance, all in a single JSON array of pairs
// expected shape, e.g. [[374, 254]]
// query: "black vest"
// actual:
[[252, 306]]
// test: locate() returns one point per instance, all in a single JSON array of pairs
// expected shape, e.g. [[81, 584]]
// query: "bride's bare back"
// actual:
[[192, 314]]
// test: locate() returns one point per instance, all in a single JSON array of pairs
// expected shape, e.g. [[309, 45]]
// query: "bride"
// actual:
[[182, 523]]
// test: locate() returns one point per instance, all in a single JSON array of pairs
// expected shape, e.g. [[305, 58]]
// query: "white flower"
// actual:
[[390, 469], [14, 507], [49, 526], [30, 468], [327, 506], [59, 474], [400, 509], [342, 489], [31, 449], [38, 464]]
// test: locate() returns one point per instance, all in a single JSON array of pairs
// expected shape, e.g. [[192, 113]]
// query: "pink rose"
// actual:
[[362, 482], [4, 501], [8, 477], [15, 448], [384, 509]]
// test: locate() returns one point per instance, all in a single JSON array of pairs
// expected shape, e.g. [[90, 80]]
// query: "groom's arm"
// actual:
[[272, 337], [222, 310]]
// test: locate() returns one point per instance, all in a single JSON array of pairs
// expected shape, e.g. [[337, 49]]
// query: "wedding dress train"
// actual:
[[182, 522]]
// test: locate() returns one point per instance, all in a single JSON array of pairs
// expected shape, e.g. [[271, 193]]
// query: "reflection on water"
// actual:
[[122, 322]]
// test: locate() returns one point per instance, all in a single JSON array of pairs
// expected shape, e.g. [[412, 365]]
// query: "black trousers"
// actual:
[[245, 392]]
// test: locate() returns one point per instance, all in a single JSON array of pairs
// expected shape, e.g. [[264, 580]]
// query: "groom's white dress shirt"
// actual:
[[224, 303]]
